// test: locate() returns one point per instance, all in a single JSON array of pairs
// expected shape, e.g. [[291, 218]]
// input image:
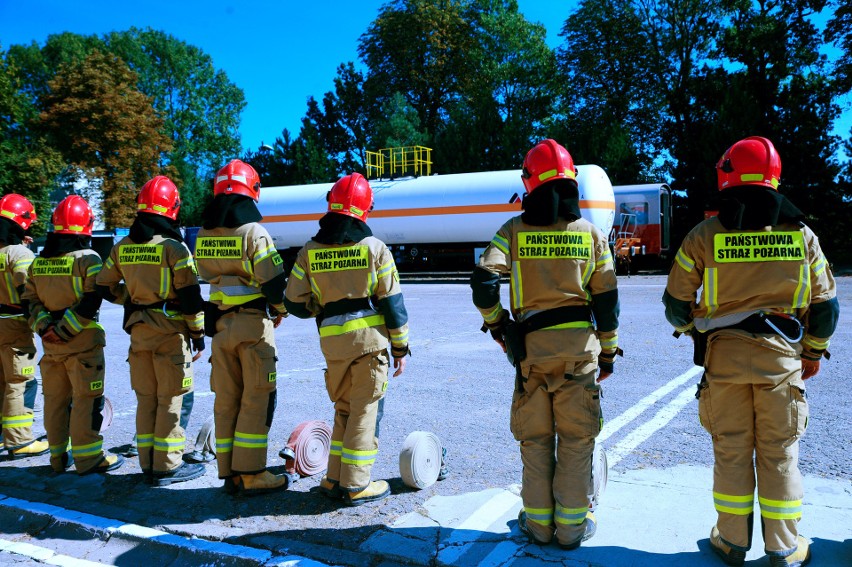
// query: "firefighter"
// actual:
[[347, 279], [236, 255], [761, 325], [63, 309], [565, 306], [163, 313], [18, 384]]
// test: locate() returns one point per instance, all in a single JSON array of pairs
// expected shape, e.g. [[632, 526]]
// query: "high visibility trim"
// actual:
[[543, 516], [605, 257], [780, 509], [500, 243], [62, 448], [685, 328], [356, 457], [228, 295], [77, 284], [144, 440], [571, 516], [516, 283], [297, 272], [494, 314], [183, 263], [263, 254], [336, 448], [90, 450], [14, 296], [109, 263], [711, 290], [385, 269], [315, 288], [94, 270], [169, 443], [818, 267], [165, 282], [752, 177], [587, 275], [802, 297], [353, 325], [684, 261], [610, 344], [399, 339], [737, 505], [250, 440], [22, 264], [224, 445], [15, 421], [72, 321], [815, 343], [569, 325]]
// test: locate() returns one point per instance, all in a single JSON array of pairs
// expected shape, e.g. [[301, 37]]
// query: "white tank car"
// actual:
[[459, 208]]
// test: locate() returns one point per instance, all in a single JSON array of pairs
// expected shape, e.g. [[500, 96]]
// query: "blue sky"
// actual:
[[280, 52]]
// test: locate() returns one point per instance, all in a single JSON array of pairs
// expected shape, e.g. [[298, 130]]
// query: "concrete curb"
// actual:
[[197, 550]]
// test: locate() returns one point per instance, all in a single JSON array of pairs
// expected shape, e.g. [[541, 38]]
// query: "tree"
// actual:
[[419, 48], [28, 165], [103, 125], [200, 106]]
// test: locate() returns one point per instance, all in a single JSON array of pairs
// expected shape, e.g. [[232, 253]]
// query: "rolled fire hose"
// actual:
[[600, 472], [107, 414], [307, 448], [420, 459]]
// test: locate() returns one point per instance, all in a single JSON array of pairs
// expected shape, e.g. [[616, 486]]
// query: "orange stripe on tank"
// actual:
[[433, 211]]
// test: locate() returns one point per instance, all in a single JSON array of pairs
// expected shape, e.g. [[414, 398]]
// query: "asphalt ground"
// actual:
[[657, 509]]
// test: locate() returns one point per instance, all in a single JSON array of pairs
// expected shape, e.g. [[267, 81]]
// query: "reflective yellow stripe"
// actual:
[[684, 261], [72, 321], [261, 255], [570, 325], [233, 299], [144, 440], [500, 243], [169, 443], [165, 282], [543, 516], [711, 291], [184, 263], [354, 324], [606, 257], [610, 344], [571, 516], [818, 267], [250, 440], [297, 272], [815, 343], [224, 445], [13, 421], [89, 450], [738, 505], [802, 297], [356, 457], [492, 315], [336, 448], [399, 338], [780, 509], [93, 270], [516, 284]]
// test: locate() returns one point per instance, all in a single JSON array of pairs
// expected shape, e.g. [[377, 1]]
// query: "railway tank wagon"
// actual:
[[442, 218]]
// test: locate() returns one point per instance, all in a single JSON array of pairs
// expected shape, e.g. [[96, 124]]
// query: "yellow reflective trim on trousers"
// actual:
[[145, 440], [569, 325], [571, 516], [89, 450], [711, 290], [543, 516], [802, 297], [250, 440], [780, 509], [516, 286], [13, 421], [737, 505], [224, 445], [169, 443], [684, 261], [353, 325], [336, 448], [357, 457], [56, 450]]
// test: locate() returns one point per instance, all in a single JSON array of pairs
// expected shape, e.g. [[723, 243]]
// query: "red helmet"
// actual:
[[18, 209], [159, 197], [237, 178], [351, 196], [73, 216], [545, 162], [752, 161]]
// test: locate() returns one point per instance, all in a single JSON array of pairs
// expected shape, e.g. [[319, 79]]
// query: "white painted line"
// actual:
[[611, 427], [481, 519], [42, 555], [644, 431]]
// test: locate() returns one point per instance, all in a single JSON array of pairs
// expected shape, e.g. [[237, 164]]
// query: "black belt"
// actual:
[[786, 326], [557, 316], [169, 305], [343, 306]]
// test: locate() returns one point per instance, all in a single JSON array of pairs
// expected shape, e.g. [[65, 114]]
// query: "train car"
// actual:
[[641, 235], [432, 223]]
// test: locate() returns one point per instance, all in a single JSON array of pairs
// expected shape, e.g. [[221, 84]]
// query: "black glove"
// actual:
[[496, 328], [399, 352], [606, 360], [197, 343]]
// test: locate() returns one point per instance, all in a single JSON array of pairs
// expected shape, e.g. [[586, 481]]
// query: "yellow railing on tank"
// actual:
[[399, 162]]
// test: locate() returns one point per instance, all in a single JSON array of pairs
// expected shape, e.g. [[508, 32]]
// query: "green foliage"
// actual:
[[400, 127], [95, 116]]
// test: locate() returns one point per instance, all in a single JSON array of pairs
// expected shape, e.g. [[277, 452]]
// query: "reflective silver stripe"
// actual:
[[705, 324], [346, 317], [234, 290]]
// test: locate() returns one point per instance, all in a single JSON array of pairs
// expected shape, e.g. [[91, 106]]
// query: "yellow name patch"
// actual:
[[53, 266], [759, 247], [140, 254], [554, 245], [339, 259], [219, 248]]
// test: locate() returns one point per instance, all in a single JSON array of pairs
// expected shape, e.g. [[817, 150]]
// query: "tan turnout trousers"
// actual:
[[753, 404], [560, 400], [160, 378], [357, 388], [18, 357], [244, 380]]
